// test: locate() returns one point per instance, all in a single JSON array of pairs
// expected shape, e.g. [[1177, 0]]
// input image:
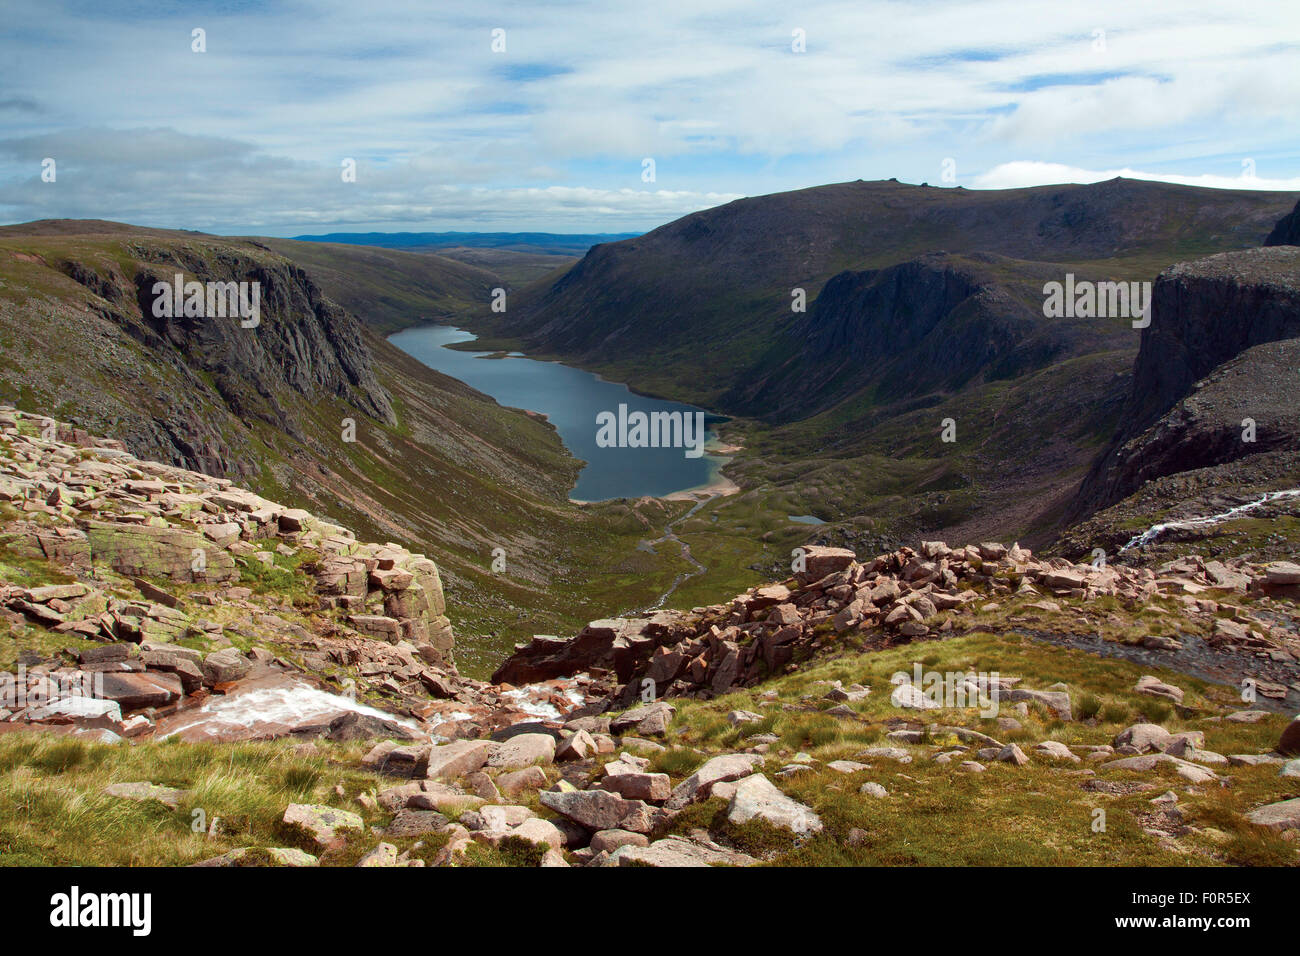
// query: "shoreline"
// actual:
[[715, 447]]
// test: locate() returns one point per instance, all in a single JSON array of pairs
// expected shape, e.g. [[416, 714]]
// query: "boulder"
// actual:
[[675, 851], [716, 770], [757, 797], [820, 561], [385, 854], [1282, 572], [1155, 687], [651, 787], [136, 691], [529, 778], [225, 665], [578, 746], [1056, 750], [1284, 815], [601, 810], [358, 726], [913, 698], [451, 760], [607, 841], [409, 822], [650, 720], [148, 791], [1012, 754], [524, 750], [323, 824], [1144, 737], [539, 832]]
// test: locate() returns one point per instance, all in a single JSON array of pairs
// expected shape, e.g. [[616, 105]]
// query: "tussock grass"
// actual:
[[53, 810], [1037, 815]]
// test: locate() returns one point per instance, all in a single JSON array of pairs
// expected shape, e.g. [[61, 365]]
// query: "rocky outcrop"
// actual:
[[612, 645], [891, 599], [158, 555], [216, 376], [1244, 408], [1204, 314]]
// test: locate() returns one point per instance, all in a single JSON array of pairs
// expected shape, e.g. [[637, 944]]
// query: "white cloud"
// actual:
[[253, 131], [1014, 175]]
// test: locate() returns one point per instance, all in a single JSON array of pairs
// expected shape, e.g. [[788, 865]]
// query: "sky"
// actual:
[[614, 115]]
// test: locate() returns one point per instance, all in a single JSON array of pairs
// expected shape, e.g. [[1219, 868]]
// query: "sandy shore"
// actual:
[[722, 485]]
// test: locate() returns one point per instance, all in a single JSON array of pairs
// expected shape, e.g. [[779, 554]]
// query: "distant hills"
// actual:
[[559, 244]]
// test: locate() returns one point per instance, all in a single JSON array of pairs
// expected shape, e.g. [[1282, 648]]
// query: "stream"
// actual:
[[1156, 530], [670, 535]]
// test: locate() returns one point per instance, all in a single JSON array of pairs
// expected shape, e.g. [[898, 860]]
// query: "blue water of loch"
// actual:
[[570, 399]]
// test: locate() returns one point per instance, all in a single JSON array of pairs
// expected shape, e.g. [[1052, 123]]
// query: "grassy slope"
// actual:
[[391, 289]]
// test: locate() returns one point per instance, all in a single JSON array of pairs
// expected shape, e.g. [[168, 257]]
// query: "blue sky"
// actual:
[[551, 133]]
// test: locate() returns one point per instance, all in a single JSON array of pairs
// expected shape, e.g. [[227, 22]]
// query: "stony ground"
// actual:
[[206, 677]]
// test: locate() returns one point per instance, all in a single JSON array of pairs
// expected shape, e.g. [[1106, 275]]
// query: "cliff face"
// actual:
[[171, 384], [933, 324], [1287, 230], [1205, 314]]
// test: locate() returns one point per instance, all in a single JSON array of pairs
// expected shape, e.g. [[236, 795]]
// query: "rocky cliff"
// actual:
[[1204, 314], [303, 349], [1287, 230], [931, 325]]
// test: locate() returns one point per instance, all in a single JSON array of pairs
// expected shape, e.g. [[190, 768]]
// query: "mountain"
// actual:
[[1210, 421], [693, 307]]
